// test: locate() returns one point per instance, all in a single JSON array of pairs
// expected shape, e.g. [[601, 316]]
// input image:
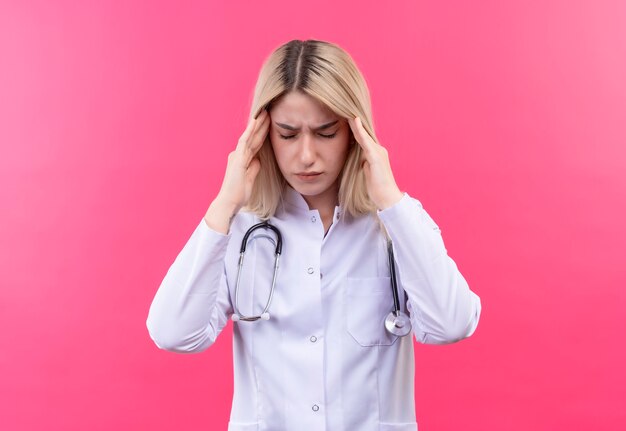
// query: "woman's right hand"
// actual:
[[241, 171]]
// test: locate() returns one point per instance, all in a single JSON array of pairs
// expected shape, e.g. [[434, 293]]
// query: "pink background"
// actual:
[[505, 118]]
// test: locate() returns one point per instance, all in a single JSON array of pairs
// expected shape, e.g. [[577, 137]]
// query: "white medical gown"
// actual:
[[324, 360]]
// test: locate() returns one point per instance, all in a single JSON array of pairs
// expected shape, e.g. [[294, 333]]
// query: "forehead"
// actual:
[[300, 107]]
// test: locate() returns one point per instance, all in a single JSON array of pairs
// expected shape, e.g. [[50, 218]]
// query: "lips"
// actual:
[[308, 176]]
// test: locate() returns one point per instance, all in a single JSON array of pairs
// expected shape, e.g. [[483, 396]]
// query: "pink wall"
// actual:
[[506, 119]]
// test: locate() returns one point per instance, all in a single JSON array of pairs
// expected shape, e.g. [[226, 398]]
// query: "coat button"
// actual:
[[313, 219], [310, 270], [313, 338], [315, 407]]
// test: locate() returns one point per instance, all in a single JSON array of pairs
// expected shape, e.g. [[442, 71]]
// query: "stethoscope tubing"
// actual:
[[242, 251], [397, 322], [394, 283]]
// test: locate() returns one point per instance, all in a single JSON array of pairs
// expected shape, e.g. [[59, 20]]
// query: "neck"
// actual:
[[325, 204]]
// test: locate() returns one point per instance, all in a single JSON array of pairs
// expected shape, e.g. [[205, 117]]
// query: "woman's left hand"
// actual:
[[381, 185]]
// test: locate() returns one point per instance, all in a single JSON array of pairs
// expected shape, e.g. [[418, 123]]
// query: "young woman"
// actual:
[[319, 339]]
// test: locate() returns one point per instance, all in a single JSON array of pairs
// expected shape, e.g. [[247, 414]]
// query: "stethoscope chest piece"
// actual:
[[398, 323]]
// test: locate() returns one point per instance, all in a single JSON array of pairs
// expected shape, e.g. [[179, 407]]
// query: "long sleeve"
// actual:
[[192, 304], [442, 307]]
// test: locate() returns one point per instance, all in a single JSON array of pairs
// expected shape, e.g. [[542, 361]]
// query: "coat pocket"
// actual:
[[368, 301]]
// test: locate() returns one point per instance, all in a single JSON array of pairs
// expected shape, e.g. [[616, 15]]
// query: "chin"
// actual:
[[315, 190], [307, 190]]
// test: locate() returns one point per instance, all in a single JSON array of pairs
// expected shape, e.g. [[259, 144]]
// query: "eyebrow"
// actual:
[[295, 129]]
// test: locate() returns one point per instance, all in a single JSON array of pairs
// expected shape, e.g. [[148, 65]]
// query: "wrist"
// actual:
[[390, 199], [225, 205], [220, 215]]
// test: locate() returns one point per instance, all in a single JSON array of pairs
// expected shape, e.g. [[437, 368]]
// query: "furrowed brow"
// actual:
[[327, 125], [295, 129], [286, 126]]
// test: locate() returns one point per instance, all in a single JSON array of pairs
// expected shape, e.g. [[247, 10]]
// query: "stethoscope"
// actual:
[[397, 322]]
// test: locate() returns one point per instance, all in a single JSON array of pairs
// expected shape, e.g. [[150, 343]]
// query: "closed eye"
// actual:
[[321, 134]]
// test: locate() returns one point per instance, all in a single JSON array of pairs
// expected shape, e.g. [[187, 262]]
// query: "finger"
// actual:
[[258, 137], [253, 170], [361, 135], [263, 110], [252, 124], [367, 170], [261, 131], [246, 133]]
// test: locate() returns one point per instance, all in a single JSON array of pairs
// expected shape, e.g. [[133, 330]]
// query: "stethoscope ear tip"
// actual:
[[265, 316], [235, 317]]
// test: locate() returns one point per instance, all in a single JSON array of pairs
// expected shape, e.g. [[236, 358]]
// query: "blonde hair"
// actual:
[[326, 72]]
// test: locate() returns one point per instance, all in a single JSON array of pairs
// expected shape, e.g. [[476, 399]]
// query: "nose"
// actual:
[[307, 150]]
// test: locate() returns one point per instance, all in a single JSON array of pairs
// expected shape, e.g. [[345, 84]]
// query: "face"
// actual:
[[311, 145]]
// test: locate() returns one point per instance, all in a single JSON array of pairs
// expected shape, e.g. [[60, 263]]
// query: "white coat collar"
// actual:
[[295, 201]]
